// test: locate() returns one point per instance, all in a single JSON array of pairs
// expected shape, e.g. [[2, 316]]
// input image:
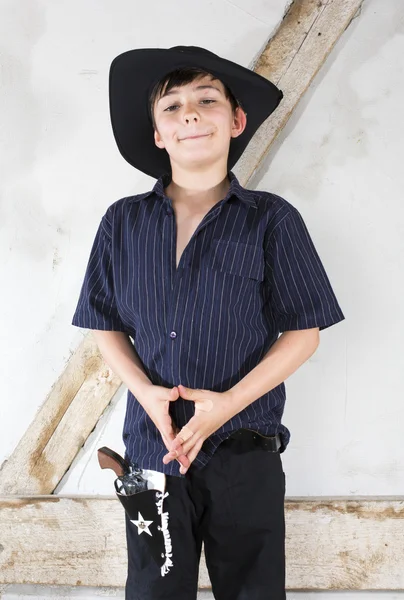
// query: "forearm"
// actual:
[[120, 355], [284, 357]]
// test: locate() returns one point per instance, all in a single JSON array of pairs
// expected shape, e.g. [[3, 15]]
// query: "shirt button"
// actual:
[[173, 335], [168, 211]]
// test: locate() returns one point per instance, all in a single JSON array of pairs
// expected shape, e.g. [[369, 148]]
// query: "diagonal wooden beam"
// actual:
[[331, 543], [62, 425], [291, 59]]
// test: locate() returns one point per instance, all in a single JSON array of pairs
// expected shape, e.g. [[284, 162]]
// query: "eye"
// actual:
[[176, 105], [171, 106]]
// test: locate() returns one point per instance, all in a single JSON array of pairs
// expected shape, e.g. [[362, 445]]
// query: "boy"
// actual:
[[204, 275]]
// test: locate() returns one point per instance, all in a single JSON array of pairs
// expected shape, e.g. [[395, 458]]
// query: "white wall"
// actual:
[[338, 161]]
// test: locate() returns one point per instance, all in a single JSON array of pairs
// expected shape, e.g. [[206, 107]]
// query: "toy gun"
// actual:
[[129, 476]]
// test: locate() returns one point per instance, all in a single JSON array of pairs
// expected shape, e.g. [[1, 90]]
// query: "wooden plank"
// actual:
[[291, 59], [332, 543], [62, 424]]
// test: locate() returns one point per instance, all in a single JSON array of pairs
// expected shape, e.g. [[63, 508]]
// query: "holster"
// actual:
[[145, 511]]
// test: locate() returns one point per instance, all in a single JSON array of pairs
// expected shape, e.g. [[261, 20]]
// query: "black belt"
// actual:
[[247, 439]]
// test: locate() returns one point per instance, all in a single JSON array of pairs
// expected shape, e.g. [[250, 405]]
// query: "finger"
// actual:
[[173, 455], [183, 450], [190, 444], [168, 435], [183, 460], [186, 392], [185, 434], [191, 456], [167, 439], [197, 396], [173, 394], [176, 448], [182, 436]]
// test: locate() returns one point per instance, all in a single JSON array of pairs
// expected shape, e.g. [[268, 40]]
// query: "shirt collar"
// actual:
[[236, 189]]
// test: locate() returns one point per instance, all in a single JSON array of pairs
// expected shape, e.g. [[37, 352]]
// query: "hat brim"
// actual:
[[132, 77]]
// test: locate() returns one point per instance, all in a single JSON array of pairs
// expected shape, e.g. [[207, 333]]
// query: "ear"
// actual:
[[157, 139], [239, 122]]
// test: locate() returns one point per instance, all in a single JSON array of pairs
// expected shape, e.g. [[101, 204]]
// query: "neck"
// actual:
[[199, 189]]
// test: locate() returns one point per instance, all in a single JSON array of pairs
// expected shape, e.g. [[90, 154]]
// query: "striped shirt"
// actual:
[[249, 272]]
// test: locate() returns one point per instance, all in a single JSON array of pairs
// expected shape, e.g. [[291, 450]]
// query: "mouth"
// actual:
[[194, 137]]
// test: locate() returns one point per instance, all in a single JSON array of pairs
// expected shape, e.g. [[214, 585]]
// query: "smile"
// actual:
[[195, 137]]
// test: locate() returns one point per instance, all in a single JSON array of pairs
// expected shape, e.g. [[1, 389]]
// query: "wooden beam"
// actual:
[[62, 424], [332, 543], [291, 59]]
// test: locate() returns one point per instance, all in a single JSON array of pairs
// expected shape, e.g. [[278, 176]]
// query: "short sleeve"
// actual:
[[300, 293], [96, 307]]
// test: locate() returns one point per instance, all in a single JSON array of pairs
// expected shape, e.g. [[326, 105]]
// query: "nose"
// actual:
[[190, 115]]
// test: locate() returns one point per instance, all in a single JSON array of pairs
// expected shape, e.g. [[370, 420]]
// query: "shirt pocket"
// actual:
[[238, 258]]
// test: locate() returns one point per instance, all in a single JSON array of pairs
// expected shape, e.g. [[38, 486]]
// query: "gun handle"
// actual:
[[108, 459]]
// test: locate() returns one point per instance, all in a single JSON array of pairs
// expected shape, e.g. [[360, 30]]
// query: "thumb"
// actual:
[[188, 393], [173, 394], [201, 398]]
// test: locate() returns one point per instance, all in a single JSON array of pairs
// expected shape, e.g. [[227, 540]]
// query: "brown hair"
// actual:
[[181, 77]]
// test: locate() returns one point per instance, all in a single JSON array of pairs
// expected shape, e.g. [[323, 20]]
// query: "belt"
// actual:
[[248, 438]]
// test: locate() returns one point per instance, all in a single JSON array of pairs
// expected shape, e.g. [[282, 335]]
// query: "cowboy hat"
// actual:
[[132, 77]]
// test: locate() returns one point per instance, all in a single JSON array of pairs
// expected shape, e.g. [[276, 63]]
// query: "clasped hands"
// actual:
[[212, 410]]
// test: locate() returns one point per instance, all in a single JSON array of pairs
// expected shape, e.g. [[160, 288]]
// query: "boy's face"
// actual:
[[199, 108]]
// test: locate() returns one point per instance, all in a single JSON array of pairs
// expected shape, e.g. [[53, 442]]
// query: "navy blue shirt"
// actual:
[[249, 272]]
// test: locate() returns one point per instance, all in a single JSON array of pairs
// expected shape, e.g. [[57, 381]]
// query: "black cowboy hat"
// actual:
[[132, 77]]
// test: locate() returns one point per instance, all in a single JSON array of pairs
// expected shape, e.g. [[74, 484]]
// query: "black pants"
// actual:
[[235, 505]]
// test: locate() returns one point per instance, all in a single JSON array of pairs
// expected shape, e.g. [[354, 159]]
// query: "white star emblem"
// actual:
[[141, 524]]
